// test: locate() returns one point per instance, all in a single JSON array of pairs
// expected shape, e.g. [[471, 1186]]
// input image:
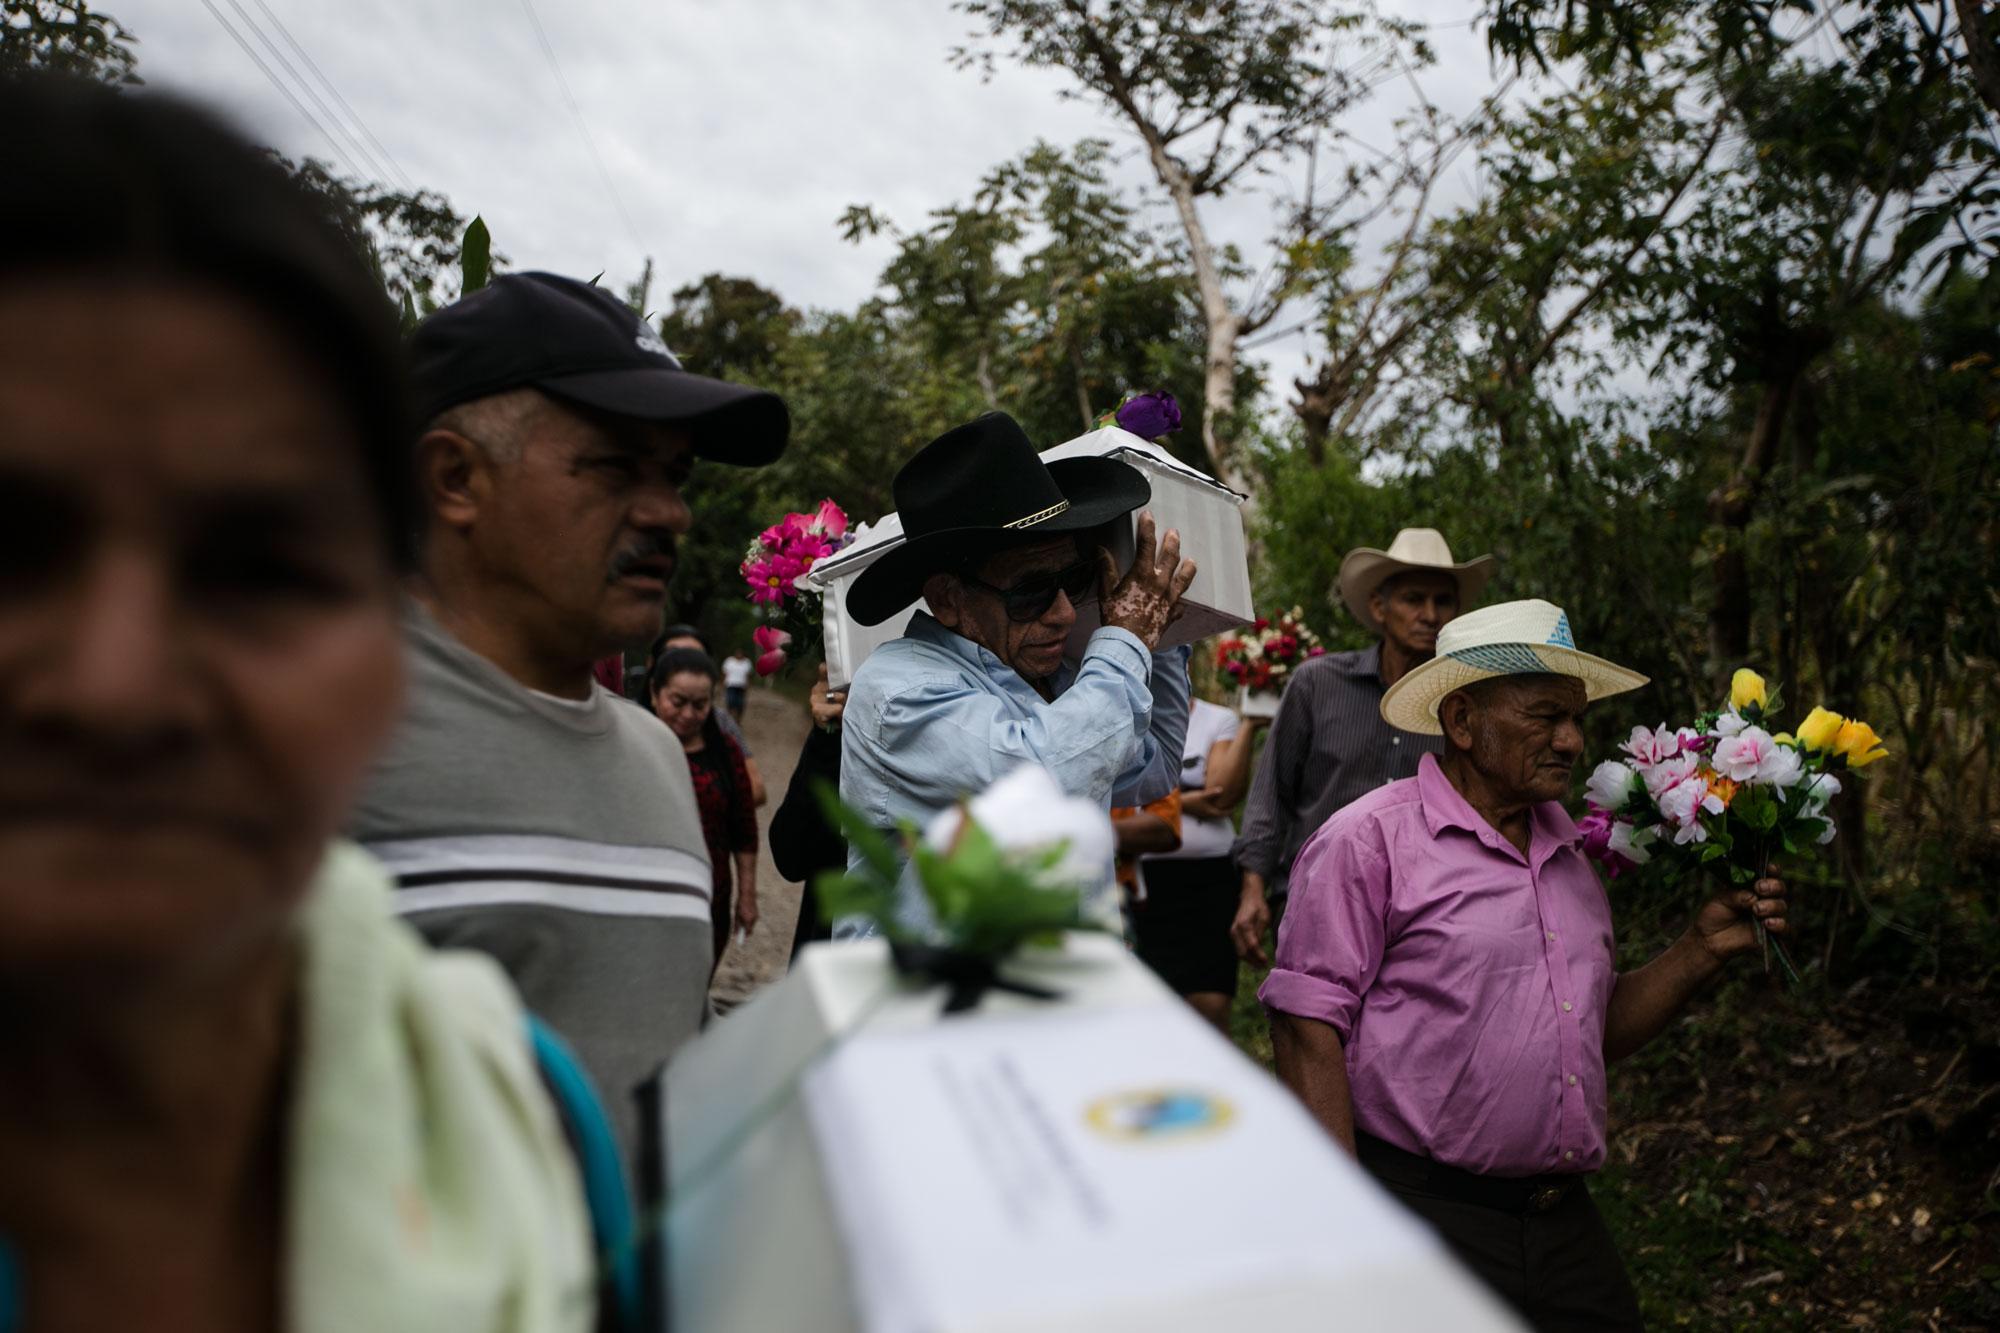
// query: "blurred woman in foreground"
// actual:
[[235, 1093]]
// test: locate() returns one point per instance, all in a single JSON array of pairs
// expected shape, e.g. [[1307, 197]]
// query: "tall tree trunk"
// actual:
[[1314, 410], [1982, 49], [1731, 506]]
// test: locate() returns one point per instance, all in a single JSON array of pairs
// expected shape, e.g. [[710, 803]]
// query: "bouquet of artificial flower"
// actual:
[[1724, 795], [1263, 657], [775, 569]]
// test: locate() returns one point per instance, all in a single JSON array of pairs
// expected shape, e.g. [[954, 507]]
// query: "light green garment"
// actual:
[[430, 1185]]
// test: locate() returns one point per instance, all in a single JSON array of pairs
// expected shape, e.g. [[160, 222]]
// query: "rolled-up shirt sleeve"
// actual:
[[1330, 944]]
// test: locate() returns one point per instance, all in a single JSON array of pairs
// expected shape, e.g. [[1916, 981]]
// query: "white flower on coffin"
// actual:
[[1610, 785], [1026, 812]]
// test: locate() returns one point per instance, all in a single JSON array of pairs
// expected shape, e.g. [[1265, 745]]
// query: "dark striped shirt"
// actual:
[[1327, 747]]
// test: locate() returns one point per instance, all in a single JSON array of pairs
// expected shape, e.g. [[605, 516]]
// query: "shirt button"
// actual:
[[1572, 1080], [1568, 1156], [1395, 740], [1552, 934], [1567, 1006]]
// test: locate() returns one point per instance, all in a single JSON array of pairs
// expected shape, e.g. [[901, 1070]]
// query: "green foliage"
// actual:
[[415, 240], [65, 37]]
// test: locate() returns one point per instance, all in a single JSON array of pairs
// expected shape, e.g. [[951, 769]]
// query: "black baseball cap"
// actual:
[[578, 342]]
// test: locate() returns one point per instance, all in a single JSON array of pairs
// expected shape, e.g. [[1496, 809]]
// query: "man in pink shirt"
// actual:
[[1445, 1001]]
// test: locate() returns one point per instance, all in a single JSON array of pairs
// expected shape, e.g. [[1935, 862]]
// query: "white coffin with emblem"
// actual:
[[1207, 514], [844, 1158]]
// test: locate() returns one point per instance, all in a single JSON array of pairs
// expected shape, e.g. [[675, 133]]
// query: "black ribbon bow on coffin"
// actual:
[[967, 975]]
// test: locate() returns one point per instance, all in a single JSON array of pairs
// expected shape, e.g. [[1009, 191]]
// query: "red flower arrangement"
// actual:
[[1263, 657]]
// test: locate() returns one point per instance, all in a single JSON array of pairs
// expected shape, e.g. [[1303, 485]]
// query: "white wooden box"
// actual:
[[1207, 514], [843, 1158]]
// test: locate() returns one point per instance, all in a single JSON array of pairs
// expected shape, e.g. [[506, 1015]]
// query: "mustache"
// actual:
[[646, 551]]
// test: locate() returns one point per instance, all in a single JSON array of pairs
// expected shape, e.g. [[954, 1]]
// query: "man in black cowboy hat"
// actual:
[[1002, 547]]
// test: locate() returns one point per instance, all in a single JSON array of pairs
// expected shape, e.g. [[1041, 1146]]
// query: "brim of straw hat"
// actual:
[[1411, 704]]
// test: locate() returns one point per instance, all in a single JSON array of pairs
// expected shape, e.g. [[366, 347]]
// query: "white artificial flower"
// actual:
[[1730, 723], [1630, 842], [1027, 812], [1820, 790], [1652, 745], [1610, 785]]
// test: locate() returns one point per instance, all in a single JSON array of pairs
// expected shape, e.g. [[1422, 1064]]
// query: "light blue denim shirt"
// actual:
[[932, 717]]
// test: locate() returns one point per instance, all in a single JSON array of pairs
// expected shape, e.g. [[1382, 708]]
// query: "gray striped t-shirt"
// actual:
[[560, 837]]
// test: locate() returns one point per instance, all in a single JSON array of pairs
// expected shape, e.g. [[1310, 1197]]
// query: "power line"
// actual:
[[402, 176], [374, 166], [279, 84], [583, 127]]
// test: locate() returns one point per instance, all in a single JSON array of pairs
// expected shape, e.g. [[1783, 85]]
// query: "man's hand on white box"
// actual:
[[1148, 598]]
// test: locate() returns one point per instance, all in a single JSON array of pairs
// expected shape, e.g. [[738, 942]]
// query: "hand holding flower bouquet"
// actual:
[[1725, 795], [774, 568]]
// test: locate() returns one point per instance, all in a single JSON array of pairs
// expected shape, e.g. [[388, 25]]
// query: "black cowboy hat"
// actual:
[[981, 488]]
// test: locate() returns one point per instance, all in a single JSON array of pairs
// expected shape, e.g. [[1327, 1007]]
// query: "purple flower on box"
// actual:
[[1150, 415]]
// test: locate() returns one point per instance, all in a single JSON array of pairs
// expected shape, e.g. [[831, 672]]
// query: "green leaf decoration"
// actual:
[[475, 257]]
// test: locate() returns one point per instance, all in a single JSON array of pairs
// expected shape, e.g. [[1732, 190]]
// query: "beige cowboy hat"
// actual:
[[1422, 549], [1512, 639]]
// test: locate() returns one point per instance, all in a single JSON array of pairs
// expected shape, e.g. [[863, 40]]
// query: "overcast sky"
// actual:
[[733, 132]]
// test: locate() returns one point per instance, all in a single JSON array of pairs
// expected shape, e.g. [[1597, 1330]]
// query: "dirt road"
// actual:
[[775, 728]]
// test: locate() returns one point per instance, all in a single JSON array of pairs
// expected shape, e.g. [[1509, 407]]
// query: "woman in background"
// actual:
[[683, 688]]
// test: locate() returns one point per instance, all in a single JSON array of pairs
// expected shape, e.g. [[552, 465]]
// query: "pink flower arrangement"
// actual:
[[1724, 796], [775, 567]]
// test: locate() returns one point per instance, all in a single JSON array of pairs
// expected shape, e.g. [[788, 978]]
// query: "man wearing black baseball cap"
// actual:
[[524, 810]]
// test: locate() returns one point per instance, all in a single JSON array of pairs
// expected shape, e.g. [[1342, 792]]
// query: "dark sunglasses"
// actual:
[[1031, 597]]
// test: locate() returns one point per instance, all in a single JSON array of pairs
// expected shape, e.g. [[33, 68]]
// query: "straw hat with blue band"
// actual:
[[981, 488], [1526, 638]]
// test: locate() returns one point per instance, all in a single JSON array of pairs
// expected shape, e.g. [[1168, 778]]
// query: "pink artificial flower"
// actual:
[[1751, 755], [1602, 842], [772, 641], [1668, 772], [1315, 651], [830, 519], [1652, 745], [771, 580], [1683, 805]]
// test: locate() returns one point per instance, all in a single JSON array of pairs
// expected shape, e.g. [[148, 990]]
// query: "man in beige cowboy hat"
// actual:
[[1446, 996], [1329, 743]]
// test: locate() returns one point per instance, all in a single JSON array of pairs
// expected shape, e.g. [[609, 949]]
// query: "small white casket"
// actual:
[[1207, 514], [1100, 1162]]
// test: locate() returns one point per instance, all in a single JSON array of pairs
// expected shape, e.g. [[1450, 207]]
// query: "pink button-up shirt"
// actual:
[[1468, 983]]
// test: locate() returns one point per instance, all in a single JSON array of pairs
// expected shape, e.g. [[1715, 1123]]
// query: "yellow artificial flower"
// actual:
[[1820, 729], [1746, 690], [1858, 741], [1786, 738]]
